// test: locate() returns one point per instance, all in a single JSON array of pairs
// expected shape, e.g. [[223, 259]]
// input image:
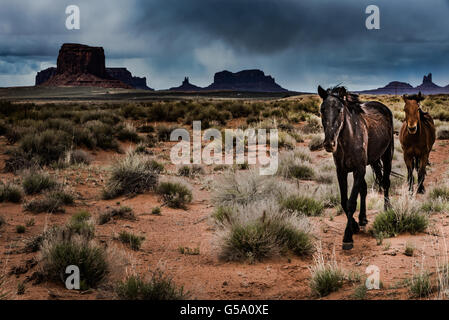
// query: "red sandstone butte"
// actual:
[[81, 65]]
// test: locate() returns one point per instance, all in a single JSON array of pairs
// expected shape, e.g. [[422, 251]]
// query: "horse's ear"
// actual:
[[405, 98], [420, 97], [322, 92], [342, 93]]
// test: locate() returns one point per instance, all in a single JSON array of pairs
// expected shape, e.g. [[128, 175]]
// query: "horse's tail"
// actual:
[[378, 172]]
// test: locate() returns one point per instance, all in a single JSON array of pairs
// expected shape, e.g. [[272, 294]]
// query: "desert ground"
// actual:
[[90, 182]]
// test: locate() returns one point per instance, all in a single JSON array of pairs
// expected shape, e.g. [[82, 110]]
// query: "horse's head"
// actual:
[[411, 109], [332, 115]]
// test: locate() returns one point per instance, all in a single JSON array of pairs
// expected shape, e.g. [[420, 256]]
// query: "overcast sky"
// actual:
[[301, 43]]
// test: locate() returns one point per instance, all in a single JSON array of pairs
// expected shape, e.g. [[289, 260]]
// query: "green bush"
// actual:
[[390, 223], [326, 278], [133, 174], [34, 182], [159, 287], [20, 229], [10, 193], [174, 194], [420, 285], [59, 253], [121, 213], [52, 202], [301, 204], [132, 240], [259, 240]]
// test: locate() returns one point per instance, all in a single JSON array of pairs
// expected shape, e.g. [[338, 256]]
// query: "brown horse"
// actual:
[[417, 137]]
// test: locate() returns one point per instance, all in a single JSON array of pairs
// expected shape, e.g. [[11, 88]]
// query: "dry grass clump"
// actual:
[[52, 202], [326, 276], [405, 215], [77, 156], [35, 182], [133, 174], [10, 193], [158, 287], [443, 133], [123, 212], [175, 193], [296, 165], [245, 187], [260, 230]]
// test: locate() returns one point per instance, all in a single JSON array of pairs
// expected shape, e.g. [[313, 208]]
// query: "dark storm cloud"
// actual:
[[301, 43]]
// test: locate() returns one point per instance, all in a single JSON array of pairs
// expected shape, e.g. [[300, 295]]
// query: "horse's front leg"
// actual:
[[409, 162], [352, 226], [422, 173], [342, 176], [363, 221]]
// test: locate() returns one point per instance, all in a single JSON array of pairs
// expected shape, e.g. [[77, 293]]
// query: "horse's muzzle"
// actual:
[[412, 130]]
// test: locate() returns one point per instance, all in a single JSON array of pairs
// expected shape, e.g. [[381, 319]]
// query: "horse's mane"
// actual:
[[352, 100], [416, 97]]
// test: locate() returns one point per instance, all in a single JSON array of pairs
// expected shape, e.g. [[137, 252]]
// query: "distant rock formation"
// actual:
[[246, 80], [428, 86], [121, 74], [125, 76], [186, 86], [45, 75], [396, 87], [81, 65]]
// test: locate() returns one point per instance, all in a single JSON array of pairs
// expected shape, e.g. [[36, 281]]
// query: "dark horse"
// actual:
[[358, 134], [417, 137]]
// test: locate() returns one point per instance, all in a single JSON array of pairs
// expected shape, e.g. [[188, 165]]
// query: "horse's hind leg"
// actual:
[[422, 173], [387, 159]]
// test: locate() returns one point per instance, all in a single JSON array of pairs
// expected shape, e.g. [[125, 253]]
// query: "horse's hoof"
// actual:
[[363, 222], [348, 245]]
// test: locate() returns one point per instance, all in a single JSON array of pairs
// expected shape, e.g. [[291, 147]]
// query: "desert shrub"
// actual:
[[77, 156], [190, 170], [10, 193], [58, 252], [35, 182], [222, 214], [159, 287], [313, 125], [2, 221], [121, 213], [175, 194], [80, 224], [439, 192], [156, 211], [163, 132], [260, 230], [303, 205], [245, 187], [127, 133], [404, 216], [19, 160], [132, 174], [316, 142], [146, 128], [45, 147], [286, 141], [52, 202], [420, 285], [102, 134], [131, 239], [20, 229], [326, 277], [296, 165]]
